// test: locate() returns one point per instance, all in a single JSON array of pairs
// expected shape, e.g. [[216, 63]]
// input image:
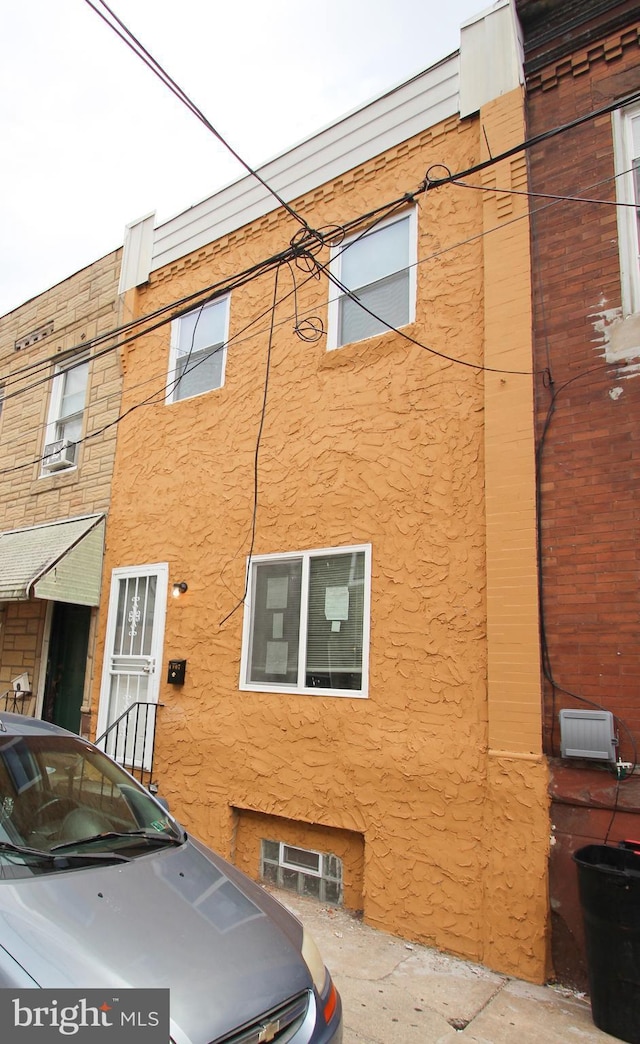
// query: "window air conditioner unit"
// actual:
[[58, 455]]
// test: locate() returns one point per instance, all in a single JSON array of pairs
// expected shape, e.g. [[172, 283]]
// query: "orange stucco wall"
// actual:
[[379, 442]]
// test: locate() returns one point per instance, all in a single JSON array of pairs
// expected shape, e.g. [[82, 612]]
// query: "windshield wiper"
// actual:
[[122, 835], [59, 861]]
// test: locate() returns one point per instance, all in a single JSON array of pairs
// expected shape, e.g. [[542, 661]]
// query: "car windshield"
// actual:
[[59, 795]]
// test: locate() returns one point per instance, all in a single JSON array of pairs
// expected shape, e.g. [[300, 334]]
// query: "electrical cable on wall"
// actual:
[[546, 660], [296, 250], [529, 143], [301, 248], [546, 195], [188, 303], [256, 455]]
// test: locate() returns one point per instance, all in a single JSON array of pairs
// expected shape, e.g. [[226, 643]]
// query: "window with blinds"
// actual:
[[378, 271], [307, 622], [198, 351]]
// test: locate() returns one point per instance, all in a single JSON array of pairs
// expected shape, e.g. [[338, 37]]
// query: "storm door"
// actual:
[[133, 656]]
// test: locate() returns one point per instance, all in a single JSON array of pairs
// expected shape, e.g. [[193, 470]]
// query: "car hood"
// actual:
[[179, 918]]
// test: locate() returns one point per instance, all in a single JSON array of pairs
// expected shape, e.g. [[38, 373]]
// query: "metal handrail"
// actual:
[[129, 745], [17, 701]]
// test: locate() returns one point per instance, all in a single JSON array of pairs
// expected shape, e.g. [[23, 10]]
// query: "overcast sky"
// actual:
[[90, 140]]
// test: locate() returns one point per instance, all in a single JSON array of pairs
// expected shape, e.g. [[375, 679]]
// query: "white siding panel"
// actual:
[[491, 57], [415, 106], [137, 253]]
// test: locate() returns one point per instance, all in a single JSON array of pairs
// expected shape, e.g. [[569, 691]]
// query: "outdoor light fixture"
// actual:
[[179, 588]]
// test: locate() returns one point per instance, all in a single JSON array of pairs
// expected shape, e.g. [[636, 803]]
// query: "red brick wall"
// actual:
[[589, 508], [590, 464]]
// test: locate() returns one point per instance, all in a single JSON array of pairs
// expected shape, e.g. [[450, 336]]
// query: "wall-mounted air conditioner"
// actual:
[[59, 455]]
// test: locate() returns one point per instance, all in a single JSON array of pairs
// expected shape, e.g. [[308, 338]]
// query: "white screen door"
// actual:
[[133, 655]]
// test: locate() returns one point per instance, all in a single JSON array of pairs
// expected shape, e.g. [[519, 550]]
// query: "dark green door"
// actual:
[[68, 646]]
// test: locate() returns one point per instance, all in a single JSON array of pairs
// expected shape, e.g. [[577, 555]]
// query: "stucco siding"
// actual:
[[380, 442]]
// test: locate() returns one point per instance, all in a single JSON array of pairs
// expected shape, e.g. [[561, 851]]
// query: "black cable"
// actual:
[[256, 455], [141, 52], [430, 183], [614, 812], [545, 195], [545, 654], [188, 303], [345, 291]]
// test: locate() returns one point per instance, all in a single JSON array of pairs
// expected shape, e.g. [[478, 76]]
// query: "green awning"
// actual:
[[59, 561]]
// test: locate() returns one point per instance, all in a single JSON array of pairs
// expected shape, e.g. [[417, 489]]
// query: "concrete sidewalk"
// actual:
[[395, 992]]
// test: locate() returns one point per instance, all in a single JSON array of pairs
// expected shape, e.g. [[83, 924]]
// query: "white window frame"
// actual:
[[176, 351], [288, 865], [335, 264], [325, 879], [300, 687], [55, 403], [628, 239]]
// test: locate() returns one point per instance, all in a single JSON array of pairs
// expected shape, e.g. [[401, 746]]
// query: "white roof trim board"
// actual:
[[488, 42], [30, 559]]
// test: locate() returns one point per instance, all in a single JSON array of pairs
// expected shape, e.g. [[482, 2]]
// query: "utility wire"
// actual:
[[214, 292], [125, 34], [154, 397], [529, 143], [210, 293], [190, 302], [346, 292], [256, 455], [315, 238], [545, 652], [543, 195]]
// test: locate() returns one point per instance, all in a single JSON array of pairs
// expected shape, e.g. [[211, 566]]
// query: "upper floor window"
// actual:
[[379, 270], [198, 351], [627, 161], [66, 414], [306, 625]]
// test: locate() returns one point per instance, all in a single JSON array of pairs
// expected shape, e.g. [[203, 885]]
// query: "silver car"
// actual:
[[100, 887]]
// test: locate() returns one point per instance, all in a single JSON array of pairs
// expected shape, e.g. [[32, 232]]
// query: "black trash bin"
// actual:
[[609, 883]]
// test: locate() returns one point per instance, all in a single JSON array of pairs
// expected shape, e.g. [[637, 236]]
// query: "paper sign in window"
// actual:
[[277, 592], [278, 625], [277, 656], [336, 603]]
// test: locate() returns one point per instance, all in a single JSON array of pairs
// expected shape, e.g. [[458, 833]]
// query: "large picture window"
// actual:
[[627, 160], [306, 625], [198, 351], [379, 270]]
